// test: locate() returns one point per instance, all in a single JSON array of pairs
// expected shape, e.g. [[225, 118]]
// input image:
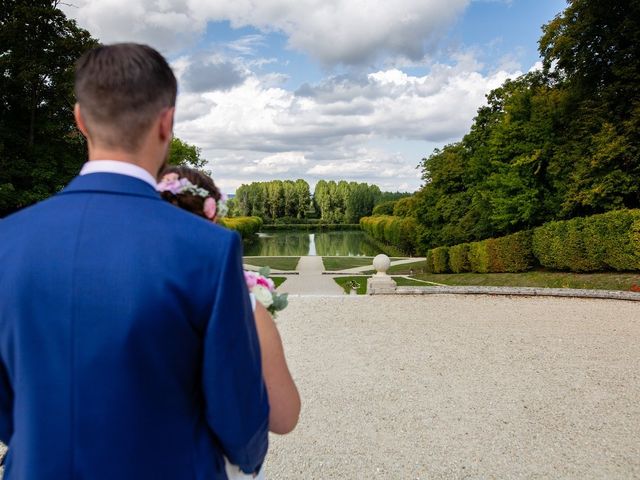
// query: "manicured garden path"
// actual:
[[310, 280]]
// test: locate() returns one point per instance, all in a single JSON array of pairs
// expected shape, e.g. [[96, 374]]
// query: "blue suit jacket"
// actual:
[[127, 342]]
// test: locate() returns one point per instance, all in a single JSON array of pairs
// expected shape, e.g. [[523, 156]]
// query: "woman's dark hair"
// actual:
[[189, 201]]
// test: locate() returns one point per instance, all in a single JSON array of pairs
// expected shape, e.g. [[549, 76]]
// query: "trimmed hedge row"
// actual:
[[247, 227], [396, 231], [437, 260], [312, 226], [609, 241]]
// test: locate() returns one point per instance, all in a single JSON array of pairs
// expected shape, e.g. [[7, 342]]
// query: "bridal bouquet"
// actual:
[[264, 290]]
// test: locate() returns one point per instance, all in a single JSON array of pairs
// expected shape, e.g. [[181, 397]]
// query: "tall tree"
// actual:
[[40, 148], [182, 153], [592, 50]]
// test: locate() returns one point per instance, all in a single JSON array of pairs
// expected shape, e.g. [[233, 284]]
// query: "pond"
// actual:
[[295, 243]]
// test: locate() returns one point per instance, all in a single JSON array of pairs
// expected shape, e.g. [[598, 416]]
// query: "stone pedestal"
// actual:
[[381, 282]]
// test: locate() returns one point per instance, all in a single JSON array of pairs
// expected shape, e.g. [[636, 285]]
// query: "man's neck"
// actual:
[[126, 157]]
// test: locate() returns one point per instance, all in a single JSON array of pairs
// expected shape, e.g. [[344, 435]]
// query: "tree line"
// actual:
[[345, 202], [291, 201], [550, 145], [271, 200]]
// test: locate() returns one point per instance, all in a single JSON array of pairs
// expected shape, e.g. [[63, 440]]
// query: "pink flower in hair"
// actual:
[[170, 183], [210, 208]]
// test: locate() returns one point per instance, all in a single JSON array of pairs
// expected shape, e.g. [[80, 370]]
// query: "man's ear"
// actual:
[[80, 121], [166, 124]]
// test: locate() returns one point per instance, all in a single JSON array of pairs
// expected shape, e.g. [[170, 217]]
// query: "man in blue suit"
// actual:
[[128, 348]]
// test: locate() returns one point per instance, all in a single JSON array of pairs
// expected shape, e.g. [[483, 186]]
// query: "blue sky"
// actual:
[[347, 89]]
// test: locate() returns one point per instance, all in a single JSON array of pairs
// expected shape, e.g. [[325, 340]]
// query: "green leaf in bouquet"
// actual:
[[265, 271], [280, 302]]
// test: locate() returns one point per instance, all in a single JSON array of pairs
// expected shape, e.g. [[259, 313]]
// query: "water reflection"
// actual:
[[294, 243]]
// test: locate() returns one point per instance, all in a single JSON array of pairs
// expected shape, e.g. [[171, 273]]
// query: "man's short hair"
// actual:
[[121, 90]]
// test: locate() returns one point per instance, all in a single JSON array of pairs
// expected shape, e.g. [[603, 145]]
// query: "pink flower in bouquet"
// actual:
[[266, 283], [251, 278]]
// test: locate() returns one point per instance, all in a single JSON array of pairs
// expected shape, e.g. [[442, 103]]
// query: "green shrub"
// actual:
[[440, 259], [429, 262], [408, 231], [459, 258], [385, 208], [245, 226], [391, 231], [405, 207], [512, 253], [395, 231], [609, 241], [311, 226], [479, 257]]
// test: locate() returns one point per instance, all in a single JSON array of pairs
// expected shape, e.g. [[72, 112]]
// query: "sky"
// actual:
[[327, 89]]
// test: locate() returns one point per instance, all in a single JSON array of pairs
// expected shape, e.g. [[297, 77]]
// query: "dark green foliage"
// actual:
[[311, 226], [273, 200], [405, 207], [181, 153], [247, 227], [548, 145], [383, 197], [40, 148], [344, 202], [384, 208]]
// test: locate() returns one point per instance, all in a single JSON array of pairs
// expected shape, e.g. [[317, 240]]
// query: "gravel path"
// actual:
[[462, 387], [310, 280]]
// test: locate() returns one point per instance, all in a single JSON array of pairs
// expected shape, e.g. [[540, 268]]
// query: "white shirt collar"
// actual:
[[121, 168]]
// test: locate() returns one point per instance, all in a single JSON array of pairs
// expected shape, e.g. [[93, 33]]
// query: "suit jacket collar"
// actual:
[[110, 183]]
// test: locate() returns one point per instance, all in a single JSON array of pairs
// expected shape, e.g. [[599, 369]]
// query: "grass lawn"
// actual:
[[407, 282], [333, 264], [341, 263], [278, 280], [279, 263], [598, 281], [344, 283], [362, 280]]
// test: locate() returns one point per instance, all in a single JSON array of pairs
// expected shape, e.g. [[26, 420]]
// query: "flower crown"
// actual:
[[172, 183]]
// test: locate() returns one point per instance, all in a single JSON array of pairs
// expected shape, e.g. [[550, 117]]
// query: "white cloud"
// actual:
[[338, 31], [336, 128]]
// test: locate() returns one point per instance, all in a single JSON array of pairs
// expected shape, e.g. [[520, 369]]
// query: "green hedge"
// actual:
[[610, 241], [438, 260], [459, 258], [512, 253], [312, 226], [396, 231], [246, 226]]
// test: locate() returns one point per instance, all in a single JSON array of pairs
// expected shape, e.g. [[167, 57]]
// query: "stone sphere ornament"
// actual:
[[381, 263]]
